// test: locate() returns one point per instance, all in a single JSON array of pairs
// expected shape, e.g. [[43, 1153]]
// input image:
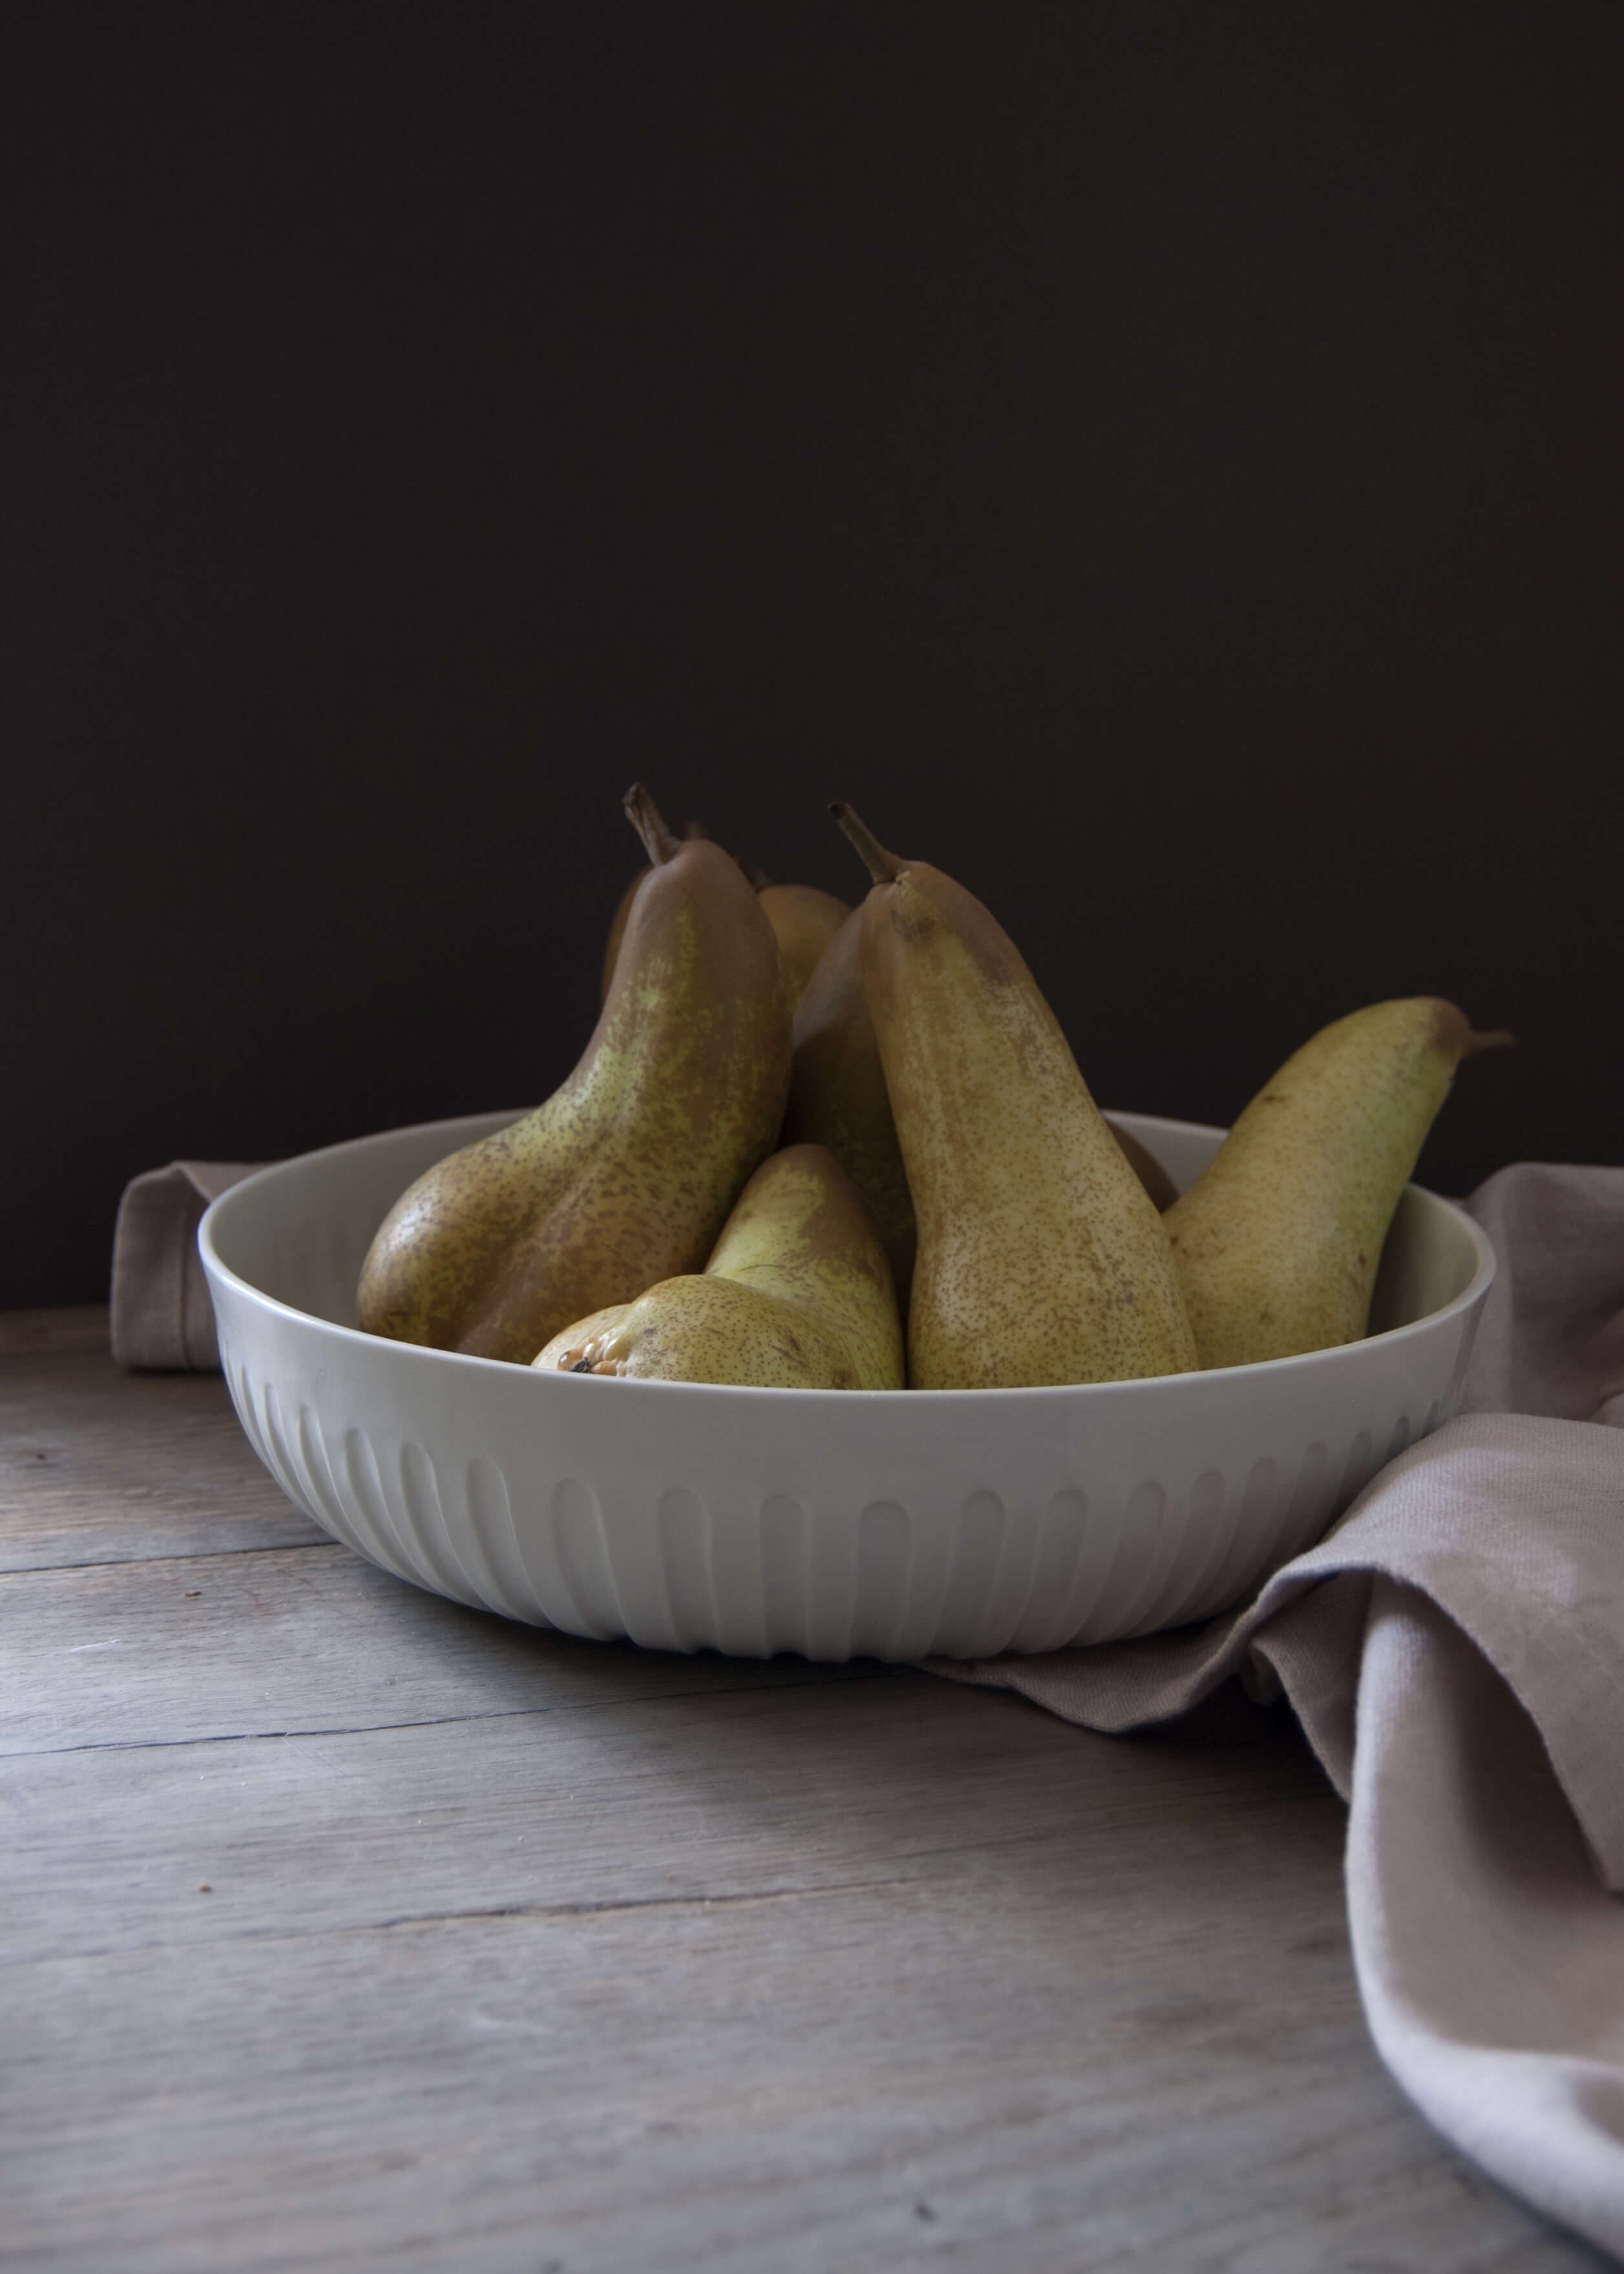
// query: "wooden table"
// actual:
[[346, 1928]]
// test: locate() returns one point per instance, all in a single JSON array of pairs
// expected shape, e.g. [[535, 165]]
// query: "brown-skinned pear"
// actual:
[[629, 1172], [1278, 1240], [797, 1295], [1041, 1258]]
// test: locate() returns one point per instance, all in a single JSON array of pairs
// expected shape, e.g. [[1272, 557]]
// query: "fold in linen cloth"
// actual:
[[160, 1314], [1455, 1652]]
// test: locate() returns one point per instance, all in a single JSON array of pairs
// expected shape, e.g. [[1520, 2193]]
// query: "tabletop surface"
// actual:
[[345, 1927]]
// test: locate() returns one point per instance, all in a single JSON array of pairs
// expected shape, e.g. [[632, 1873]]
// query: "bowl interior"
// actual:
[[300, 1232]]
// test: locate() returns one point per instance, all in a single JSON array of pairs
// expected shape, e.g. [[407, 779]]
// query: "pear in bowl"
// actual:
[[797, 1295]]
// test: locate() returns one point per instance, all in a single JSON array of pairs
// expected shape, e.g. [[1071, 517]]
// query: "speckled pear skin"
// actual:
[[1042, 1259], [623, 908], [804, 920], [837, 1096], [796, 1296], [1277, 1242], [628, 1173]]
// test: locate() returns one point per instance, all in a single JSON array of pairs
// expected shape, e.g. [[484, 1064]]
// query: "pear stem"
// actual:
[[883, 867], [758, 877], [1501, 1039], [644, 816]]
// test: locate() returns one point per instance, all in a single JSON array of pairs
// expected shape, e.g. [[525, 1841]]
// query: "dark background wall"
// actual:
[[1161, 461]]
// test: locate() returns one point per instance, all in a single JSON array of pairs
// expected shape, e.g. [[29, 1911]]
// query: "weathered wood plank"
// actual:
[[728, 1793], [69, 1331], [529, 1954], [304, 1638], [100, 1466], [989, 2074]]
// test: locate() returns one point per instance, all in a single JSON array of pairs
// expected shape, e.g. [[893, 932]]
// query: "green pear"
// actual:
[[1278, 1239], [628, 1173], [797, 1296], [804, 920], [622, 915], [1041, 1258], [837, 1097]]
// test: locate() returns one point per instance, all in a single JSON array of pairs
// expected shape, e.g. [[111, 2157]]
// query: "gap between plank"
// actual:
[[184, 1555], [608, 1908], [433, 1722]]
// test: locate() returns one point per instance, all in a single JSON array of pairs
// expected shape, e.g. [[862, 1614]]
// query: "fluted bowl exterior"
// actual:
[[837, 1523]]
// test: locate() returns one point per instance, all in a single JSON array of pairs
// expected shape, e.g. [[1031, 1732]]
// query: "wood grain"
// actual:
[[76, 1330], [526, 1955], [295, 1639], [714, 1792], [100, 1466], [984, 2073]]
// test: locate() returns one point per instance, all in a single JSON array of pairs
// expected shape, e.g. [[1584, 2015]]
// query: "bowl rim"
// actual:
[[216, 1268]]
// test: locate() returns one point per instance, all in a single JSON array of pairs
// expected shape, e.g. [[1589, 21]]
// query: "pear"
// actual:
[[1041, 1258], [797, 1296], [628, 1173], [623, 908], [837, 1096], [805, 921], [1278, 1239]]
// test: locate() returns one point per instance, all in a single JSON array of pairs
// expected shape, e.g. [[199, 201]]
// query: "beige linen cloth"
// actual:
[[1455, 1651], [161, 1315]]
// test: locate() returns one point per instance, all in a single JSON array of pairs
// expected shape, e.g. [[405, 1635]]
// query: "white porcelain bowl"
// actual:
[[832, 1522]]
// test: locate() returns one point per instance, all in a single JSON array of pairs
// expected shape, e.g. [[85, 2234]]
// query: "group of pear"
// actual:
[[815, 1148]]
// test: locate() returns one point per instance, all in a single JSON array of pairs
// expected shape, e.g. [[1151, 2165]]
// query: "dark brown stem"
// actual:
[[1501, 1039], [645, 816], [759, 878], [883, 867]]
